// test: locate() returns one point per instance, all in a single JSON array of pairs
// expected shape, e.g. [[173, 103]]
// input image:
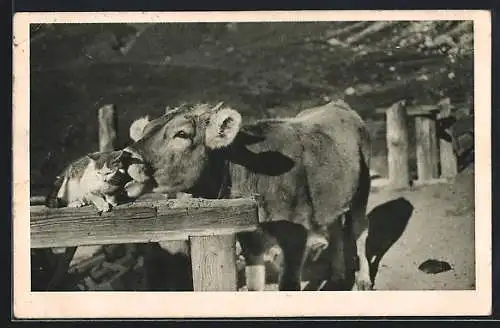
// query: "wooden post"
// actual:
[[107, 128], [214, 263], [448, 159], [107, 119], [427, 146], [397, 145]]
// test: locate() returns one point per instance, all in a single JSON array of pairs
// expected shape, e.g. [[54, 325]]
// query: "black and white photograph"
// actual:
[[181, 156]]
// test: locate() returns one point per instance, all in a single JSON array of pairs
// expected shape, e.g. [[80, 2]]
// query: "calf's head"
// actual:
[[177, 145]]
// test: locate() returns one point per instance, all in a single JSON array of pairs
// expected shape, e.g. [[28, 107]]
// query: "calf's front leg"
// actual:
[[291, 239]]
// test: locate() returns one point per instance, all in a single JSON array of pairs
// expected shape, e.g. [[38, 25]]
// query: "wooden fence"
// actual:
[[209, 225], [435, 155]]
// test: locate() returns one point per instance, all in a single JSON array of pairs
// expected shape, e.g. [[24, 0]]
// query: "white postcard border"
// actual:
[[27, 304]]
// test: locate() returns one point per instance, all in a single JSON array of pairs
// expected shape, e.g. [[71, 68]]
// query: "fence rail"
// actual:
[[141, 221], [209, 225]]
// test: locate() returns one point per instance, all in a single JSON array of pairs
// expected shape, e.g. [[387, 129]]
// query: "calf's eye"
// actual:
[[182, 135]]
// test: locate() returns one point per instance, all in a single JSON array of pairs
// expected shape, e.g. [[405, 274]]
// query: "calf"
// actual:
[[311, 170]]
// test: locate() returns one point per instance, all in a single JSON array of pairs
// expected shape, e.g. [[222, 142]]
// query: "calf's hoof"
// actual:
[[362, 283]]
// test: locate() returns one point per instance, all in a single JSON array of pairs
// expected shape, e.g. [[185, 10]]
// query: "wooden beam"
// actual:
[[414, 110], [37, 200], [425, 109], [397, 146], [213, 261], [141, 222]]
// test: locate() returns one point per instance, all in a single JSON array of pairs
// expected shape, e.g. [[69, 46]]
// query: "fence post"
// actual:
[[397, 145], [107, 128], [448, 159], [213, 261], [108, 121], [427, 146]]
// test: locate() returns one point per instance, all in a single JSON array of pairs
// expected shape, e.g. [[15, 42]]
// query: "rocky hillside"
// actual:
[[263, 69]]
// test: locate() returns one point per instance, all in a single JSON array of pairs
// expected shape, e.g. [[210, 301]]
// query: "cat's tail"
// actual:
[[53, 200]]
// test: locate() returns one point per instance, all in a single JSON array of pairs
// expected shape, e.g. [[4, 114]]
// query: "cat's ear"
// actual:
[[93, 156], [121, 157]]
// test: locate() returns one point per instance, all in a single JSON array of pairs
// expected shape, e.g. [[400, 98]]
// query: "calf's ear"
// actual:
[[137, 128], [223, 127]]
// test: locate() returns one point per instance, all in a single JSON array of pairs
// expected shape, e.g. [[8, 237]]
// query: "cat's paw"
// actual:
[[103, 207], [101, 204], [112, 200], [77, 203]]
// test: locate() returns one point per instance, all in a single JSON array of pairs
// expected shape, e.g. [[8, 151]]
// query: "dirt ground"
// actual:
[[441, 227]]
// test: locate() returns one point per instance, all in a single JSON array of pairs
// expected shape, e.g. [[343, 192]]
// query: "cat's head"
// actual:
[[110, 166]]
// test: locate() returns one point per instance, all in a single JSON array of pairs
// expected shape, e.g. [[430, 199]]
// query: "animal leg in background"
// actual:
[[253, 249], [292, 238], [336, 255]]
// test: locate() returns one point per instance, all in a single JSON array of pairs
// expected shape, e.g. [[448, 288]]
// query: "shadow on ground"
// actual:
[[387, 222]]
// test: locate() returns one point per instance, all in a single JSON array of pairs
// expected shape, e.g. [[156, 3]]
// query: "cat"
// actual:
[[101, 178], [97, 178]]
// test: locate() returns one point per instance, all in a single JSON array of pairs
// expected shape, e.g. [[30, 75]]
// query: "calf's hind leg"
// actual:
[[337, 279], [359, 231]]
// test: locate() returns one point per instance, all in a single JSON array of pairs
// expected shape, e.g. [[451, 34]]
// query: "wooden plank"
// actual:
[[427, 148], [397, 145], [415, 110], [37, 200], [140, 222], [214, 263], [447, 156], [416, 113], [107, 128]]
